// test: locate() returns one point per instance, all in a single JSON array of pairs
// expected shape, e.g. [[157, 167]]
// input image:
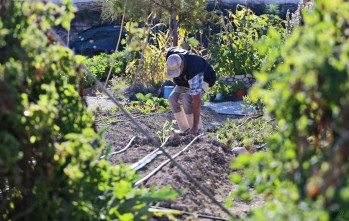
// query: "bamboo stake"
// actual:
[[117, 46]]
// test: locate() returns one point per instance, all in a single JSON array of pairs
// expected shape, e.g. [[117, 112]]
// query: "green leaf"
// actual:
[[193, 42], [166, 193]]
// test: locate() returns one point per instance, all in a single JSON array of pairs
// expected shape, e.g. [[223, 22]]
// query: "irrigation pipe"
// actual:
[[122, 150], [147, 159], [52, 35], [162, 209], [165, 162]]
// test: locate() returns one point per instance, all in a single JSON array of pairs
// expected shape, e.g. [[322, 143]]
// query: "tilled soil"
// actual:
[[206, 159]]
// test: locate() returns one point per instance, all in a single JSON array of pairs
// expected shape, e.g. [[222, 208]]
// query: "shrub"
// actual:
[[234, 54], [99, 65], [304, 175], [49, 152]]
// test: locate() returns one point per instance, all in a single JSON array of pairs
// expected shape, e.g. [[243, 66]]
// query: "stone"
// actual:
[[239, 77], [239, 150], [230, 79], [222, 78]]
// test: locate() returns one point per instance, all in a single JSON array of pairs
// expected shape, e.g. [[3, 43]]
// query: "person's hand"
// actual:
[[194, 131]]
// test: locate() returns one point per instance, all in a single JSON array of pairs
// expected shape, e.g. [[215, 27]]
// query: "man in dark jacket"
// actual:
[[193, 76]]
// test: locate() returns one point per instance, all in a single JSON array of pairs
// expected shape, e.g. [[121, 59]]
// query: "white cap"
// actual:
[[174, 66]]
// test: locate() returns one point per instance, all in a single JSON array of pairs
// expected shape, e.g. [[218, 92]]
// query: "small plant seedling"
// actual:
[[166, 128]]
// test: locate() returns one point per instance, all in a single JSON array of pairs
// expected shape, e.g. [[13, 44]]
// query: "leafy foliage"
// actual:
[[304, 175], [238, 85], [218, 87], [295, 19], [117, 85], [49, 166], [256, 104], [99, 65], [179, 17], [188, 14], [135, 10], [234, 54], [273, 9], [248, 132], [166, 129], [153, 65], [147, 104]]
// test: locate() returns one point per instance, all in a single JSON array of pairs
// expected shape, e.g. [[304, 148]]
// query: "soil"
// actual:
[[206, 159]]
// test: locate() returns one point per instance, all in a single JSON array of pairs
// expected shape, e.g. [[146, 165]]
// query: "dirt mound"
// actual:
[[206, 159]]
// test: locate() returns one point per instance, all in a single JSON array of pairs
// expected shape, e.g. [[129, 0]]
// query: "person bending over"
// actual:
[[193, 76]]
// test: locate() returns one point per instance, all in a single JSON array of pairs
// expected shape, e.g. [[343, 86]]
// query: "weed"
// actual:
[[247, 132], [117, 84], [166, 128], [250, 104], [114, 110]]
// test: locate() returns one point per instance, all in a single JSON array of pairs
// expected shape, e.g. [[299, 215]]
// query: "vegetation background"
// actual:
[[49, 150]]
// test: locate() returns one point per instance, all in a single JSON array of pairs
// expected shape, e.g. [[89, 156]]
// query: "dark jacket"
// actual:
[[193, 65]]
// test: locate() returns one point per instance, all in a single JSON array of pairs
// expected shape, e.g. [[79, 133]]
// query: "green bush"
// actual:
[[304, 176], [233, 53], [49, 152], [99, 65]]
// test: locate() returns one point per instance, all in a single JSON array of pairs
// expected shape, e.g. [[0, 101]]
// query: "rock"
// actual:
[[223, 78], [239, 77], [249, 76], [239, 150], [229, 79]]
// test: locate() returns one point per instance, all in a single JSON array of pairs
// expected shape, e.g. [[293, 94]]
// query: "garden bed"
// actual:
[[207, 159]]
